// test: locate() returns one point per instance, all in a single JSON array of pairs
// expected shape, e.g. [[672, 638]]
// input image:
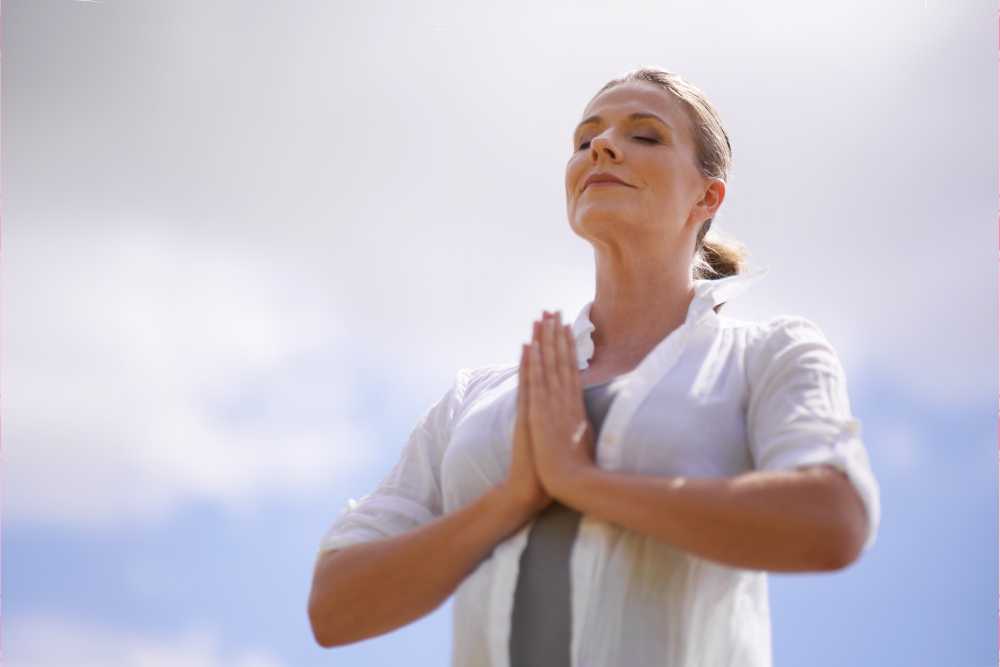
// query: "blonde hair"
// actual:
[[715, 255]]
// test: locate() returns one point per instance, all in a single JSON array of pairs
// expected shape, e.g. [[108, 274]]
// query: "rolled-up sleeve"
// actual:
[[410, 494], [799, 412]]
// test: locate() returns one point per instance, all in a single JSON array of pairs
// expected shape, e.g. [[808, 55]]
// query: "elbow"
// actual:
[[320, 608], [852, 552], [847, 548], [316, 623], [851, 521], [319, 622], [841, 560]]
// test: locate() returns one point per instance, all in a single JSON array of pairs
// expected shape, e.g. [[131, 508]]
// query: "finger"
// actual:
[[549, 355], [522, 383], [540, 326], [535, 378], [573, 363], [562, 354], [537, 338]]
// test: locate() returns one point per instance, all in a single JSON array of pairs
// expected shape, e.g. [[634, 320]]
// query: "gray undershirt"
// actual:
[[540, 620]]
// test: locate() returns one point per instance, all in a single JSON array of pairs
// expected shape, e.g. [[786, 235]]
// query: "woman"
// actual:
[[617, 497]]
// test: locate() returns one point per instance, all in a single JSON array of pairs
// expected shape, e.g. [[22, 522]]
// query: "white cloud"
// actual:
[[406, 211], [52, 641], [115, 346]]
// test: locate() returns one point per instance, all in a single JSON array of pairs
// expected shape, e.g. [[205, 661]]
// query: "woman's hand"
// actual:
[[523, 485], [561, 435]]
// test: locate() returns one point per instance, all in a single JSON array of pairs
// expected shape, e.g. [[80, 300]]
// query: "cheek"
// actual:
[[662, 180], [574, 172]]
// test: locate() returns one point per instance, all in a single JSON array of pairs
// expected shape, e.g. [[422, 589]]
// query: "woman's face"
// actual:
[[639, 133]]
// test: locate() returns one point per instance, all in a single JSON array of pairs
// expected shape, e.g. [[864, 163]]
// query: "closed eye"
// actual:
[[586, 144]]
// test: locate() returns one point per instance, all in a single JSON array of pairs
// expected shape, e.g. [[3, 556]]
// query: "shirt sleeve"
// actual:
[[410, 494], [799, 413]]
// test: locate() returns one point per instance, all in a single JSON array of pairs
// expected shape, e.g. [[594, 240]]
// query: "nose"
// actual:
[[601, 145]]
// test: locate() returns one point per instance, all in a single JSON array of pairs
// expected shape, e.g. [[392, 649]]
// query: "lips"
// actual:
[[609, 179]]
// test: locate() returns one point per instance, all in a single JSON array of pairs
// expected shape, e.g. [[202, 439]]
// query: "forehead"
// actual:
[[633, 96]]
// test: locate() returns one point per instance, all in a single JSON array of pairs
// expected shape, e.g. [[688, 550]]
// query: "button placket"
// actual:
[[585, 556]]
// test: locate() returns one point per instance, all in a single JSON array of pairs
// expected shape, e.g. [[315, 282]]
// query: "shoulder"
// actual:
[[775, 325], [468, 383], [473, 380], [775, 332], [784, 329], [784, 339]]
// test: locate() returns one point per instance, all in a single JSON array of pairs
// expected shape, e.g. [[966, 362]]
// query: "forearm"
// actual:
[[780, 521], [370, 589]]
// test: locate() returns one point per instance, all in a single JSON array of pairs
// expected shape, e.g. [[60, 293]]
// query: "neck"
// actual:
[[637, 304]]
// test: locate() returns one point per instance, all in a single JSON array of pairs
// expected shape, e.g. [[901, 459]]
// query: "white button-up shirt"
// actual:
[[716, 398]]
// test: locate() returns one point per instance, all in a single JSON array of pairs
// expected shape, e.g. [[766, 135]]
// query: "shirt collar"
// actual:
[[707, 295]]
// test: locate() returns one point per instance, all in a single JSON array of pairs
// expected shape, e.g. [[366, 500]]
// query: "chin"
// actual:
[[600, 217]]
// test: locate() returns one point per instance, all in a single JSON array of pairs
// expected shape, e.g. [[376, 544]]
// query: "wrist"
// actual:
[[508, 501], [568, 487]]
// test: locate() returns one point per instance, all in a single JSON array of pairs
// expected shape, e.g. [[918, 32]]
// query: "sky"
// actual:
[[231, 233]]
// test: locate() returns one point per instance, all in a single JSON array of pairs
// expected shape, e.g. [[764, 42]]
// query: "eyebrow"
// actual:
[[639, 115]]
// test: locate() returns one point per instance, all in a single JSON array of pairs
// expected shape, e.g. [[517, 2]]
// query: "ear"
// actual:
[[715, 194]]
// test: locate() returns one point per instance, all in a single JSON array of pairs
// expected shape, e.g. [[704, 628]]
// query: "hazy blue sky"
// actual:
[[231, 235]]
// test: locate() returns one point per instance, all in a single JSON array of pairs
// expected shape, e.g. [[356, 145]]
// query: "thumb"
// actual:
[[522, 382]]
